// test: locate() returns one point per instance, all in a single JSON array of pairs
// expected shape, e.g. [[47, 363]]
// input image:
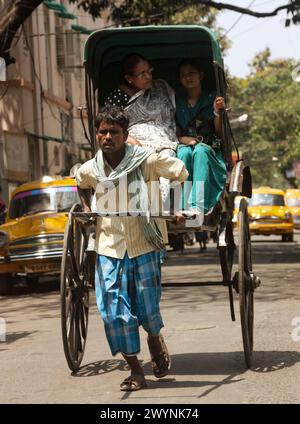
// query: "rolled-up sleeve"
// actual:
[[171, 168], [85, 177]]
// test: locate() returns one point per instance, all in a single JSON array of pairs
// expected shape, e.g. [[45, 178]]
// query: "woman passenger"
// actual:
[[150, 105], [199, 121]]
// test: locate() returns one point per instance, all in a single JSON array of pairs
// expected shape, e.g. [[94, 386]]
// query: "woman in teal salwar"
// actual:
[[200, 130]]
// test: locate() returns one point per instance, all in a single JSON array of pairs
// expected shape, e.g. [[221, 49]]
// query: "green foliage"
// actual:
[[270, 138], [260, 61]]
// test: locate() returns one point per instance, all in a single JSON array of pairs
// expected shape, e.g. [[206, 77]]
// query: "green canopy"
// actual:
[[163, 46]]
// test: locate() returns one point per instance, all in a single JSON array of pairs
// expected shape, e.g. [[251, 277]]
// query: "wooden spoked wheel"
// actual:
[[226, 254], [74, 290], [245, 287]]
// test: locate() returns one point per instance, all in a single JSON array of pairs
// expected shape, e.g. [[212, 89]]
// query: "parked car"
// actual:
[[268, 213], [292, 199], [31, 240]]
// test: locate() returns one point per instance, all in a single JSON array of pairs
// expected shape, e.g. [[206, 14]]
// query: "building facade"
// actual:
[[40, 128]]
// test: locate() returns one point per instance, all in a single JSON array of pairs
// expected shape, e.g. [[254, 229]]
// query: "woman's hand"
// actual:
[[188, 141], [219, 104], [179, 218], [131, 140]]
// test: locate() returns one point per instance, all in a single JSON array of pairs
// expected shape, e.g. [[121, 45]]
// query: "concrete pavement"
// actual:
[[206, 346]]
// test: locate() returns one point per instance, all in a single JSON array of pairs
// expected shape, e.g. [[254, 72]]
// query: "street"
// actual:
[[206, 346]]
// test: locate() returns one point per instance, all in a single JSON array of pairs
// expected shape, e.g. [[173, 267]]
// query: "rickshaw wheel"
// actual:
[[74, 291], [244, 282], [226, 255]]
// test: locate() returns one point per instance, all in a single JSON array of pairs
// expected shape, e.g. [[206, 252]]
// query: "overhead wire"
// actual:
[[239, 18]]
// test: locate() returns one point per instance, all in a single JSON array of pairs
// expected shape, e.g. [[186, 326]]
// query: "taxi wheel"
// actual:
[[244, 274], [5, 284], [32, 282], [288, 237]]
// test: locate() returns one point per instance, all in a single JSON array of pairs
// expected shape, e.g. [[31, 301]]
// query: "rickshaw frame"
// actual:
[[103, 51]]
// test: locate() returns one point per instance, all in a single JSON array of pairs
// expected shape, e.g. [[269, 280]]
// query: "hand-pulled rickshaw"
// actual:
[[164, 46]]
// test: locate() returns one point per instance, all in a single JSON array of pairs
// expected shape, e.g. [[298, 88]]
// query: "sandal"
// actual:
[[160, 358], [133, 382]]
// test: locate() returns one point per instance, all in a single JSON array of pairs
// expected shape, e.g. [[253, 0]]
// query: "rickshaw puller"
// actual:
[[128, 275]]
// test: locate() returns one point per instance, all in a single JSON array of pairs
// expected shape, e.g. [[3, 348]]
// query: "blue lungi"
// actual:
[[128, 293]]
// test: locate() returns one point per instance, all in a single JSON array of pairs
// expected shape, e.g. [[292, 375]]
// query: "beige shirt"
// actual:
[[116, 235]]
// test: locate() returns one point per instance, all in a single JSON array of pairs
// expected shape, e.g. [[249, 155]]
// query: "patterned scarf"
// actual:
[[130, 166]]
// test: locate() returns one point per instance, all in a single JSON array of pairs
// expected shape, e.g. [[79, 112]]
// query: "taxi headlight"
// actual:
[[3, 238]]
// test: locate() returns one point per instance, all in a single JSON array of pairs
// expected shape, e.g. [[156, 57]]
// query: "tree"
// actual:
[[127, 12], [270, 139], [260, 61], [125, 8], [12, 15]]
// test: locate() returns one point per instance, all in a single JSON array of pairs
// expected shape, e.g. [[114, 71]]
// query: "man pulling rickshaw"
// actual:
[[127, 267]]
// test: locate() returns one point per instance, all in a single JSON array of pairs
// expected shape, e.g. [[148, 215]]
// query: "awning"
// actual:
[[46, 137], [53, 5], [84, 146], [81, 29], [60, 9], [67, 15]]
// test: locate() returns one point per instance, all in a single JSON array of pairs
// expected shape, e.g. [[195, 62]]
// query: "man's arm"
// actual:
[[169, 167], [85, 182], [85, 196]]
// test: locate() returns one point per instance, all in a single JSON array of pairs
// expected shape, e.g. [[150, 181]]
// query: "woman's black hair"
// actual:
[[129, 62], [191, 62], [112, 115]]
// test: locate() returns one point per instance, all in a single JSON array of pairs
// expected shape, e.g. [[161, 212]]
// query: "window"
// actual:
[[55, 199], [266, 200], [293, 201]]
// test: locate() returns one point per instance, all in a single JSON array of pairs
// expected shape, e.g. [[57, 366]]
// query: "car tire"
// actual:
[[288, 237], [5, 284], [32, 282]]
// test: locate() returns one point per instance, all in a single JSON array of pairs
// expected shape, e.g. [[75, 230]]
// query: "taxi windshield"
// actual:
[[293, 201], [266, 200], [55, 199]]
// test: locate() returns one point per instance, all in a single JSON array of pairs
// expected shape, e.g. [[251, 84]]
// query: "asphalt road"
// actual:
[[206, 346]]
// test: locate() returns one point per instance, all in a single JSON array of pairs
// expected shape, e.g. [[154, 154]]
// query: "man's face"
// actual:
[[111, 137]]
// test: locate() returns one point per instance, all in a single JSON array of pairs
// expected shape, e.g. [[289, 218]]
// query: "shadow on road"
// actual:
[[13, 337], [231, 365], [263, 253], [208, 363], [269, 361]]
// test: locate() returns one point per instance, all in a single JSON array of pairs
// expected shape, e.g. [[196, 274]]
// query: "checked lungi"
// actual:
[[128, 293]]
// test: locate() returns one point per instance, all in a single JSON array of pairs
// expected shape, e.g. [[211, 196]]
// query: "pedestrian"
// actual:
[[202, 237], [128, 271]]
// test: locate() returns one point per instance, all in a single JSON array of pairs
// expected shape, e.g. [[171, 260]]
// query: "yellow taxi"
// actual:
[[292, 199], [31, 239], [268, 213]]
